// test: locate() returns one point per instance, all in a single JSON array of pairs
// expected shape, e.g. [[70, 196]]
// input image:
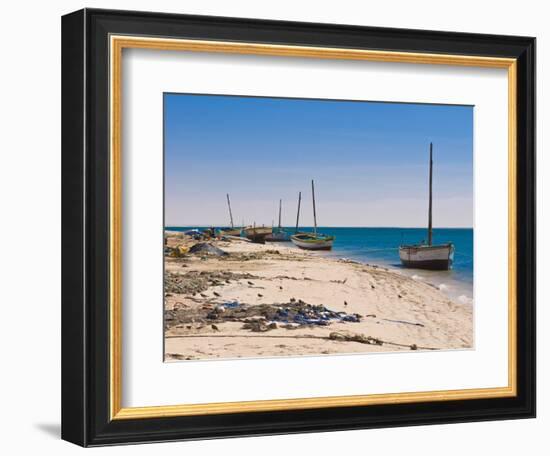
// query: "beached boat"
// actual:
[[230, 231], [310, 241], [427, 255], [314, 240], [256, 234], [278, 234], [233, 231]]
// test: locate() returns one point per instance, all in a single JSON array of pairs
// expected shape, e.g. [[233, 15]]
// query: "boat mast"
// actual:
[[230, 214], [314, 213], [298, 213], [430, 204], [280, 205]]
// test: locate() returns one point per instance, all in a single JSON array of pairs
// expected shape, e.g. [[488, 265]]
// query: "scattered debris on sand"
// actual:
[[193, 282], [228, 298], [290, 315], [352, 337], [204, 248]]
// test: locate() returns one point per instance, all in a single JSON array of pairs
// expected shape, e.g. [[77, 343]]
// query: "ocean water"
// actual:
[[380, 246]]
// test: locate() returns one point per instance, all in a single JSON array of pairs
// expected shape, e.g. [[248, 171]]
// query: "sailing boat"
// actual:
[[230, 231], [311, 241], [428, 256], [278, 234]]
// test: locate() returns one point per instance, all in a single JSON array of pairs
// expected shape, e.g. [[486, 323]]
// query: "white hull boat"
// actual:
[[427, 255], [436, 257]]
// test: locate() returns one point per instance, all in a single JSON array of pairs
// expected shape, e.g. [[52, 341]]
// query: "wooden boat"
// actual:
[[427, 255], [311, 241], [230, 231], [233, 231], [278, 234], [256, 234], [435, 257]]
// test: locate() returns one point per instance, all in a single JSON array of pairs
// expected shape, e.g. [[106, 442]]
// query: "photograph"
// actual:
[[275, 227], [314, 227]]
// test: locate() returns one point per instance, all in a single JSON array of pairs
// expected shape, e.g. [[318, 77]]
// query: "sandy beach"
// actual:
[[266, 300]]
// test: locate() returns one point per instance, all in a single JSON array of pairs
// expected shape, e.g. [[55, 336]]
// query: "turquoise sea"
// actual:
[[380, 246]]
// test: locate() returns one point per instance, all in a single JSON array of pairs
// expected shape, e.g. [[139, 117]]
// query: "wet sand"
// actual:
[[252, 302]]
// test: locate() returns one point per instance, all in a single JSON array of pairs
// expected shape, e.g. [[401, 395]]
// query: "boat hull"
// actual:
[[310, 244], [231, 232], [281, 236], [434, 257], [257, 235]]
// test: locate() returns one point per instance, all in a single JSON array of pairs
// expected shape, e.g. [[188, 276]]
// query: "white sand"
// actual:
[[395, 309]]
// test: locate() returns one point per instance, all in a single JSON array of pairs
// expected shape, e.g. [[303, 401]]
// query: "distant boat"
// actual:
[[230, 231], [427, 255], [311, 241], [233, 231], [256, 234], [278, 234]]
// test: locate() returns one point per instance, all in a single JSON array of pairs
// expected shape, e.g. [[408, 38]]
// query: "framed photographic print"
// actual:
[[278, 227]]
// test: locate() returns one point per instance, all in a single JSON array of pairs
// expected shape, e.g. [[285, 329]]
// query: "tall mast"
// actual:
[[298, 213], [314, 213], [430, 204], [280, 205], [230, 214]]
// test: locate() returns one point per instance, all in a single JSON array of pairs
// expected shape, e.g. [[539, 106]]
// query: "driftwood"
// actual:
[[354, 337], [339, 336]]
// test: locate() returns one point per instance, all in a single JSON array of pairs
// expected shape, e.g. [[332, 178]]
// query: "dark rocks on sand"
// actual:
[[193, 282], [208, 249], [264, 317]]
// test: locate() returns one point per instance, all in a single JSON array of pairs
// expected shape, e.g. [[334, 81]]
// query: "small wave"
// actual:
[[417, 277], [465, 299], [443, 287]]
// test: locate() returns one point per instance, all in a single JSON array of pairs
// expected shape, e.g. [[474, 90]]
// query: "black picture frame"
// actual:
[[85, 224]]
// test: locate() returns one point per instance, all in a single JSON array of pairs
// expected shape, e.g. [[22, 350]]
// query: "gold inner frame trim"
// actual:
[[117, 44]]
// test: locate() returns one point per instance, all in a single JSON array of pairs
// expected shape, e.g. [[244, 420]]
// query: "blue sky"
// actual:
[[369, 161]]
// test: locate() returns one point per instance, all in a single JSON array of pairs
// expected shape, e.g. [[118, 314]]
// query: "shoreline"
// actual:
[[452, 283], [252, 301], [461, 288], [458, 290]]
